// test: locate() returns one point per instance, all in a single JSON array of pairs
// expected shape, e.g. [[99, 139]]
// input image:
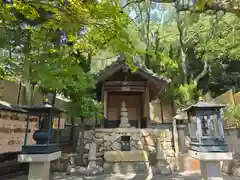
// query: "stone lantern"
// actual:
[[207, 138], [205, 127], [47, 148]]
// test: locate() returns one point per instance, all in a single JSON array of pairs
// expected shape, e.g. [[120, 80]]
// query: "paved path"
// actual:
[[177, 176]]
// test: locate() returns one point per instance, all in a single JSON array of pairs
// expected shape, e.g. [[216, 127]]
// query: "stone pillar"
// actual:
[[161, 163], [161, 166], [181, 138], [39, 164], [183, 156], [39, 171], [211, 170], [92, 156], [124, 116]]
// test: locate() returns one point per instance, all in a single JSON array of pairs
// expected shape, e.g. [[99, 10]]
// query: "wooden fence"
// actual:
[[228, 97]]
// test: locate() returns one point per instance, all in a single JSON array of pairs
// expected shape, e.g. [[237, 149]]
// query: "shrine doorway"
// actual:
[[134, 104]]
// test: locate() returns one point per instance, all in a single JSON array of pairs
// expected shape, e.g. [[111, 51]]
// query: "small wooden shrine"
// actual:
[[121, 89]]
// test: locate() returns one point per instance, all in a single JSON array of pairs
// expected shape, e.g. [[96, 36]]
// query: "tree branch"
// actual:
[[194, 35], [132, 2], [202, 73]]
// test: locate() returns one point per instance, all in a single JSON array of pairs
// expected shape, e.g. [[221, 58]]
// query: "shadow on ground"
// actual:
[[178, 176]]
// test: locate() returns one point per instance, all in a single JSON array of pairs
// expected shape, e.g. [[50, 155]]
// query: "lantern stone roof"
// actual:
[[10, 107], [142, 70], [204, 106], [41, 109]]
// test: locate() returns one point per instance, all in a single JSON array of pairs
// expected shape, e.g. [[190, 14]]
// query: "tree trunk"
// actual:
[[1, 88], [73, 134], [183, 65], [183, 55], [81, 145], [147, 59], [28, 92]]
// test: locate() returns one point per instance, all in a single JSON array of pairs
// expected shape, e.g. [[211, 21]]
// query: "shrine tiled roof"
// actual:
[[120, 62]]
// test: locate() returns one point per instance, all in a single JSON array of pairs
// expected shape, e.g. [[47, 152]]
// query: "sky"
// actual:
[[157, 12]]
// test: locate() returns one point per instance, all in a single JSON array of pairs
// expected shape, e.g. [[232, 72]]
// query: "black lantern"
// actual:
[[47, 136], [205, 127]]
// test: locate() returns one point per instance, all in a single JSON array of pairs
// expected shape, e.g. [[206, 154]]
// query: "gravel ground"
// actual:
[[177, 176]]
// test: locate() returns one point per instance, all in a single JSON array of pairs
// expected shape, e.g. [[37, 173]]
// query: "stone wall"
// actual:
[[140, 139], [12, 131]]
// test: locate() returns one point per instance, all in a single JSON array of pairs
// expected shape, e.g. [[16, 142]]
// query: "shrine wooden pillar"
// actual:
[[104, 101], [148, 121]]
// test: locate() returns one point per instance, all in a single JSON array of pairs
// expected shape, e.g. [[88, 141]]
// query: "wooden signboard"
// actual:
[[55, 123]]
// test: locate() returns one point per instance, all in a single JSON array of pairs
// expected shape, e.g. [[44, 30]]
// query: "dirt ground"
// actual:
[[176, 176]]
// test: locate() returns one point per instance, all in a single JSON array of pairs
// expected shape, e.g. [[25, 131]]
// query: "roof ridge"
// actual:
[[136, 60]]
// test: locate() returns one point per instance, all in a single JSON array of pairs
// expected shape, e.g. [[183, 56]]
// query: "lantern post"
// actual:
[[207, 138], [47, 147]]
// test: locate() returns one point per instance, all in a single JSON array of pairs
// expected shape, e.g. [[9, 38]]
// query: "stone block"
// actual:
[[149, 140], [146, 132], [82, 170], [88, 134], [116, 168], [112, 137], [59, 165], [128, 167], [169, 153], [228, 167], [237, 171], [165, 134], [78, 160], [107, 168], [126, 156], [166, 171], [142, 167], [167, 145], [99, 161], [116, 146], [71, 169]]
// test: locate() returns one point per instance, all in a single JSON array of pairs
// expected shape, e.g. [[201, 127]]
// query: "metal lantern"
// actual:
[[205, 127], [46, 141]]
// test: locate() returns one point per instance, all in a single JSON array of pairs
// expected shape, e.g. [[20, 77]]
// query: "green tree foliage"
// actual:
[[86, 107], [31, 36], [186, 45]]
